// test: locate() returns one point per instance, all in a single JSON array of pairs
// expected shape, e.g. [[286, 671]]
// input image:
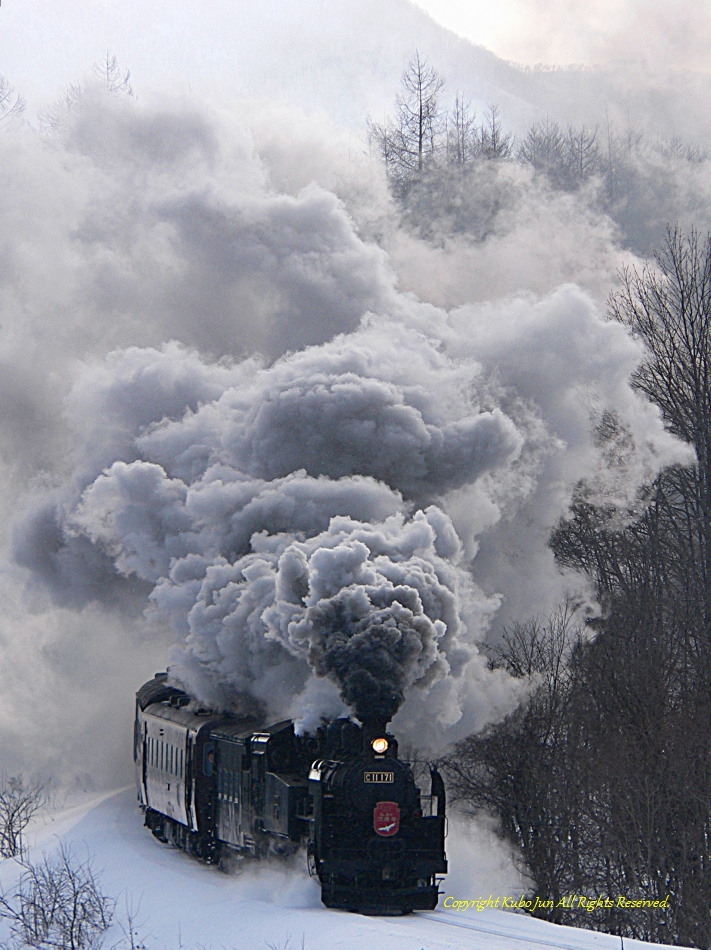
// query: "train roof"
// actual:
[[191, 717], [157, 698], [157, 690], [240, 728]]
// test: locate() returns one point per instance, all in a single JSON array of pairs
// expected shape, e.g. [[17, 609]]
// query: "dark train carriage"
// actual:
[[173, 778], [260, 795]]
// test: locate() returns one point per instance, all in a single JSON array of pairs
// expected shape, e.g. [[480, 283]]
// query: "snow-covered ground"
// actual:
[[178, 904]]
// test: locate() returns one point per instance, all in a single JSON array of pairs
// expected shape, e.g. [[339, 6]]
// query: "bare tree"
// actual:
[[409, 143], [462, 140], [567, 158], [20, 800], [112, 76], [582, 153], [11, 105], [683, 151], [107, 72], [494, 142], [644, 686], [58, 905], [542, 147], [56, 115], [668, 306], [523, 770]]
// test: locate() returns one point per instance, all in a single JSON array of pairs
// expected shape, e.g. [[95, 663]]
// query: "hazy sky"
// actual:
[[671, 33], [45, 45]]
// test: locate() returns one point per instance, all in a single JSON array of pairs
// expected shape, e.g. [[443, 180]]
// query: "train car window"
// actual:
[[170, 760], [208, 758]]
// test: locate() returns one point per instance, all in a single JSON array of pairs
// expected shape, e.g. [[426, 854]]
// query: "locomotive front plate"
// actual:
[[378, 778]]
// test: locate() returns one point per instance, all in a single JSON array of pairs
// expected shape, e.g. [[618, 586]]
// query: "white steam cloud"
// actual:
[[243, 438]]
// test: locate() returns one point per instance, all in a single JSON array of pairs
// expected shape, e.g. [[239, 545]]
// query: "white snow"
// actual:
[[176, 903]]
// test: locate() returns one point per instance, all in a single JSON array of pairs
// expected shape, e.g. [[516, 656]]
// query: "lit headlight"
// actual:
[[379, 746]]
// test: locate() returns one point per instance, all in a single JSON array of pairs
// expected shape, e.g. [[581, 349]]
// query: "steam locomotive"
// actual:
[[223, 787]]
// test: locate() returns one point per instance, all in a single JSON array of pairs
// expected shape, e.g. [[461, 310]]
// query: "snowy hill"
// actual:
[[341, 57], [175, 902]]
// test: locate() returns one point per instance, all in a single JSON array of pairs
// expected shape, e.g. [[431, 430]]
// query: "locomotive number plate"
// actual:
[[378, 778]]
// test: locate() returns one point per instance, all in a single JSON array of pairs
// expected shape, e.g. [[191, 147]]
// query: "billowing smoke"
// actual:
[[286, 528], [324, 491]]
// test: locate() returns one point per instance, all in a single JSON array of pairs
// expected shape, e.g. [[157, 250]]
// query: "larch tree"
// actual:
[[410, 142]]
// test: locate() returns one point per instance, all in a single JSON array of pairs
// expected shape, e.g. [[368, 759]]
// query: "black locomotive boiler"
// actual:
[[223, 787]]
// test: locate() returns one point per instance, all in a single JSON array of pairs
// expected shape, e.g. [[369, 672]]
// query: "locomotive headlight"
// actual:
[[379, 746]]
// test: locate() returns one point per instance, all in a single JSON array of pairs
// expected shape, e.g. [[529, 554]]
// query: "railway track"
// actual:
[[593, 939]]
